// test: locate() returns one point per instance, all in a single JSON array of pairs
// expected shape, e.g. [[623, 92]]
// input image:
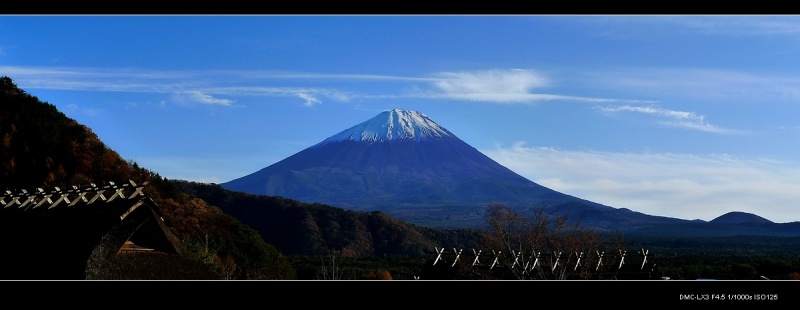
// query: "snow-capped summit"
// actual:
[[405, 164], [397, 124], [398, 158]]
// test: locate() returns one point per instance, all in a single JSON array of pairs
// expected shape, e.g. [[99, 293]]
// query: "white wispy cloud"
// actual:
[[708, 25], [189, 86], [516, 81], [519, 98], [492, 86], [305, 93], [737, 25], [513, 86], [328, 76], [500, 86], [684, 186], [682, 119], [73, 109], [197, 96], [310, 99], [696, 84]]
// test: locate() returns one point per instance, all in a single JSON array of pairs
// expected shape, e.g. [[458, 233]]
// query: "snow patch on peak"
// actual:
[[391, 125]]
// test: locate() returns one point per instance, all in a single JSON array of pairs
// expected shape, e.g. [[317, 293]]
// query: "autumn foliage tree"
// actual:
[[42, 147], [544, 245], [379, 275]]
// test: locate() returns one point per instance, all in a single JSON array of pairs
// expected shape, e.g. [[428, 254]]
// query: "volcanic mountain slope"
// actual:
[[403, 163]]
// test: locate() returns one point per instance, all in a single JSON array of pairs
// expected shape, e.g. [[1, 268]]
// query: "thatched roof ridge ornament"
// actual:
[[71, 197], [86, 232]]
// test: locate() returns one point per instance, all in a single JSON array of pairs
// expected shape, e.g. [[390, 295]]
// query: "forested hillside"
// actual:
[[41, 147], [301, 228]]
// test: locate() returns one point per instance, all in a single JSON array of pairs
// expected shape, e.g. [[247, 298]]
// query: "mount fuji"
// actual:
[[403, 163]]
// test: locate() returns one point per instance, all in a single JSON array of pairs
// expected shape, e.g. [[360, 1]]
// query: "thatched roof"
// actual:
[[95, 232]]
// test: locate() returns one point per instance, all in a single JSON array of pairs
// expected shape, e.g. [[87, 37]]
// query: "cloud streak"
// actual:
[[185, 87], [500, 86], [491, 86], [515, 86], [491, 82], [75, 109], [737, 25], [310, 100], [699, 84], [682, 119], [716, 25], [684, 186], [197, 96]]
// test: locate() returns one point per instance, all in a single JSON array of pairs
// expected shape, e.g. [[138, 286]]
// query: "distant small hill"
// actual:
[[740, 218]]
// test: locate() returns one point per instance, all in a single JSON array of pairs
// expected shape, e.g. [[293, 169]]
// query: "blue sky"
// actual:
[[683, 116]]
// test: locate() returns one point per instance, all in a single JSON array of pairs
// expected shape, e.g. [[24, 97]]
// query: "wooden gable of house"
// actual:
[[96, 232]]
